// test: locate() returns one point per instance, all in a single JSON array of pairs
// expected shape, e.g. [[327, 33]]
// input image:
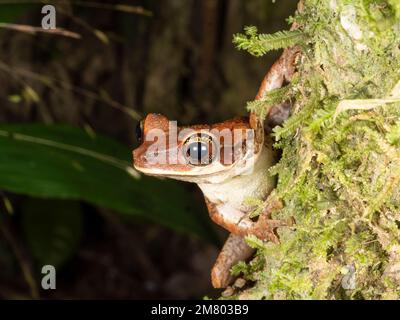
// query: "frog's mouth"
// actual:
[[213, 174], [185, 171]]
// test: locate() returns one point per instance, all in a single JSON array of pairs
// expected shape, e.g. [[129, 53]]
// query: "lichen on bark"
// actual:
[[340, 167]]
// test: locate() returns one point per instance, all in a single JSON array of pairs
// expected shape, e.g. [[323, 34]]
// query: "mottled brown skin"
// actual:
[[157, 121]]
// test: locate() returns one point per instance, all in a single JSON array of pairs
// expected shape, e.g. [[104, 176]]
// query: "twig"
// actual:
[[33, 30], [117, 7], [89, 4]]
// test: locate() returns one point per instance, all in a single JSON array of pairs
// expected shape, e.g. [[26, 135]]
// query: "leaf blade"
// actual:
[[76, 166]]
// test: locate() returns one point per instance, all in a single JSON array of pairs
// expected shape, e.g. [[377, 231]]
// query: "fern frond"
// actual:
[[262, 107], [260, 44]]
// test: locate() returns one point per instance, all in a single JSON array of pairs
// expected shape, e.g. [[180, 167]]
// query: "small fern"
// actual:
[[262, 107], [257, 207], [260, 44]]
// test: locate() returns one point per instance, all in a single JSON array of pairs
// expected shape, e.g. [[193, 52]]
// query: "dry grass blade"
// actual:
[[117, 7], [362, 104], [96, 5], [368, 104], [33, 30]]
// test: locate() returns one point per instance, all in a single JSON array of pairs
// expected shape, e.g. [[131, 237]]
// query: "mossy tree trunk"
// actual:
[[340, 169]]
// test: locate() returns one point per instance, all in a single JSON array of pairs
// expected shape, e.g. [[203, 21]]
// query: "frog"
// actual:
[[228, 170]]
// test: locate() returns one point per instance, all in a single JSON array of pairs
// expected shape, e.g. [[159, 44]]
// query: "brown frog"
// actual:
[[228, 167]]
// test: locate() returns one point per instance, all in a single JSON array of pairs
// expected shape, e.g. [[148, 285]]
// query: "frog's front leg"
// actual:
[[229, 218], [235, 248], [237, 222]]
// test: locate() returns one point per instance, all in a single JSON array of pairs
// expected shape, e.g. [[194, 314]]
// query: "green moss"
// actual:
[[340, 170]]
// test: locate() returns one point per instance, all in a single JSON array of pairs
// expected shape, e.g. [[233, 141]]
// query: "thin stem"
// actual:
[[33, 30], [89, 4]]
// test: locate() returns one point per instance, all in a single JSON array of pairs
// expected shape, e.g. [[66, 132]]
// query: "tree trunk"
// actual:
[[340, 168]]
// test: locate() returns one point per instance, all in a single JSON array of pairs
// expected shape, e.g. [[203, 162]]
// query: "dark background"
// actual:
[[178, 61]]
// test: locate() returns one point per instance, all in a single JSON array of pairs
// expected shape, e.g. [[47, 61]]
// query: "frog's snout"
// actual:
[[139, 158]]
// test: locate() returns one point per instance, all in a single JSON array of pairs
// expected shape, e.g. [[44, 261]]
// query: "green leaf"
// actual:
[[52, 228], [68, 163]]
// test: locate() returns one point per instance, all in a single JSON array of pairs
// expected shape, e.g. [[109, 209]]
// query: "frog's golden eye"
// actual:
[[199, 150], [139, 131]]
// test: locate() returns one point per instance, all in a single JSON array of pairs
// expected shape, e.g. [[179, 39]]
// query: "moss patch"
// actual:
[[340, 169]]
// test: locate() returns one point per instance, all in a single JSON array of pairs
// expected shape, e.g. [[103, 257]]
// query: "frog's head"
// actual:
[[199, 153]]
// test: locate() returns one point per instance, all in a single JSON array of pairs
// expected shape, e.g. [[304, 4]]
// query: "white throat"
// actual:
[[256, 183]]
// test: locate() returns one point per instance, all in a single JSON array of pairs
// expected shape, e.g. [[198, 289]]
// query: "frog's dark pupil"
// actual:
[[139, 132], [197, 152]]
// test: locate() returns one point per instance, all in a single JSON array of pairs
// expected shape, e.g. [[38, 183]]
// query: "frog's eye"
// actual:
[[198, 150], [139, 131]]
